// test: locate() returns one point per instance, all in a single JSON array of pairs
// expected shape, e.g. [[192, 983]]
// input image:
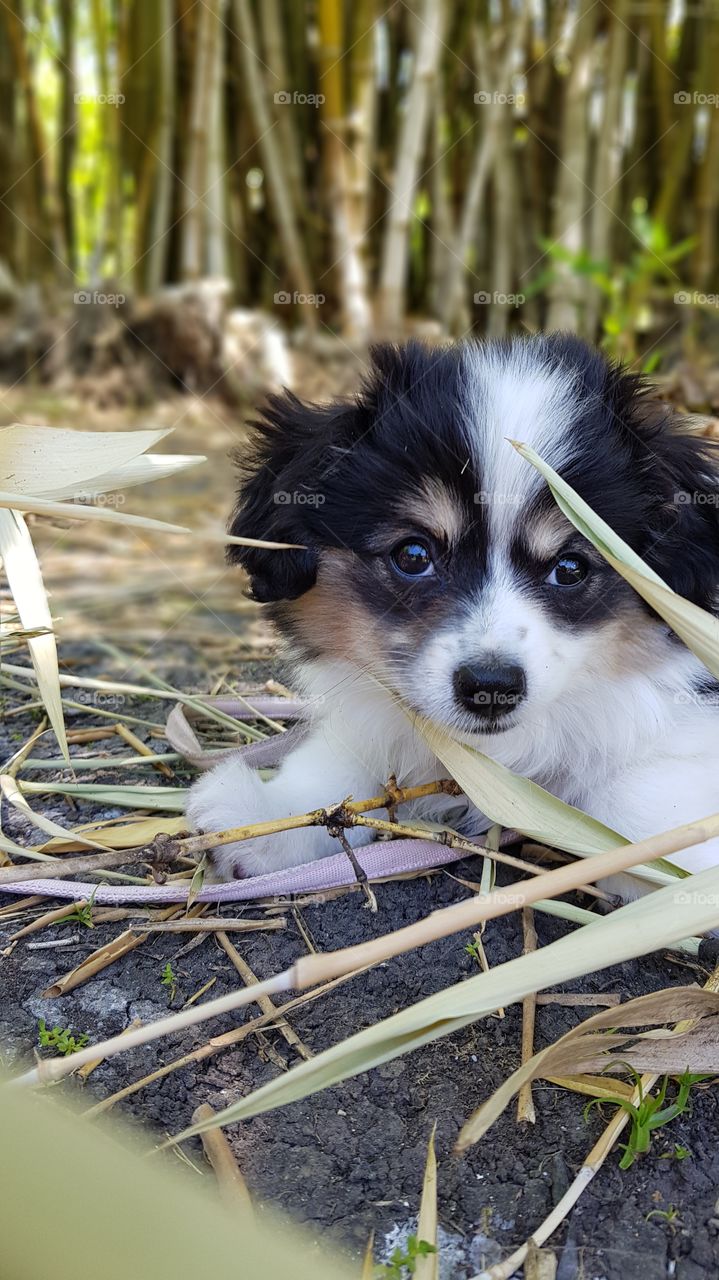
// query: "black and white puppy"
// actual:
[[437, 567]]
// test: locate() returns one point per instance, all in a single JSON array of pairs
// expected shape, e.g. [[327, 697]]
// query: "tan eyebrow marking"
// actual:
[[547, 533], [435, 509]]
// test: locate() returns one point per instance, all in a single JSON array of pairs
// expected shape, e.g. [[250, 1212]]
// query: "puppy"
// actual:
[[433, 564]]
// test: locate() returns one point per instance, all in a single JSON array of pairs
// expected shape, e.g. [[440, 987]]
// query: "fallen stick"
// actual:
[[212, 924], [313, 969], [525, 1102], [232, 1186]]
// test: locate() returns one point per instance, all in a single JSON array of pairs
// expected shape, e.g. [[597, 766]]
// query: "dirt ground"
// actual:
[[350, 1160]]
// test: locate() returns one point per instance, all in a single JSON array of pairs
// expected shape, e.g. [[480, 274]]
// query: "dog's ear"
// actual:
[[281, 492], [683, 546]]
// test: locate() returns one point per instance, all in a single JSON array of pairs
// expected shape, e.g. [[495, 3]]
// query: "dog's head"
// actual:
[[434, 556]]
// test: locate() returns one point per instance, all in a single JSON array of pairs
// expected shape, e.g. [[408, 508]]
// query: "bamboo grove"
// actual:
[[373, 165]]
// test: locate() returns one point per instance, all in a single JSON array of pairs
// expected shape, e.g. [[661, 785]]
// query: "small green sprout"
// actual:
[[81, 915], [650, 1113], [677, 1153], [60, 1039], [670, 1216], [472, 949], [169, 980], [404, 1261]]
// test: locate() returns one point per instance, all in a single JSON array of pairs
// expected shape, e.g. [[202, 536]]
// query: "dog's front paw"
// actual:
[[231, 795]]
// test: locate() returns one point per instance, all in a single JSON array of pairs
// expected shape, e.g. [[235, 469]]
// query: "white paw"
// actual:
[[231, 795]]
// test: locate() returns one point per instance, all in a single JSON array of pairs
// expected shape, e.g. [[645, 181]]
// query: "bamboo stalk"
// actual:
[[218, 1043], [50, 917], [142, 749], [101, 959], [198, 844]]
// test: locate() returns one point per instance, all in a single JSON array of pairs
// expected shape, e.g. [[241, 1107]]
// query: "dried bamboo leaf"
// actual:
[[140, 831], [46, 460], [581, 1049], [76, 511], [137, 471], [427, 1264], [594, 1086], [11, 790], [25, 580], [520, 804]]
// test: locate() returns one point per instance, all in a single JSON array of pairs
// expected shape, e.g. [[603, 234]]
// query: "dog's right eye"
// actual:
[[412, 559]]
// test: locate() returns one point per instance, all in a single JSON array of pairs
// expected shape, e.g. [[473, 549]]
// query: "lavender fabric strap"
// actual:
[[383, 858], [380, 859]]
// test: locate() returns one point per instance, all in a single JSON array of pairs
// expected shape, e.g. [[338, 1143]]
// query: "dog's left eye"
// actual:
[[412, 560], [569, 571]]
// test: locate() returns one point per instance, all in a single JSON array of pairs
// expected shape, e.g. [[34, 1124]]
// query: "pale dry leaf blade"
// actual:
[[142, 470], [129, 835], [427, 1265], [14, 796], [517, 802], [520, 804], [166, 799], [77, 511], [40, 460], [22, 570]]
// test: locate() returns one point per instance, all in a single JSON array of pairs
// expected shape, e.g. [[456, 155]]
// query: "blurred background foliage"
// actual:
[[362, 168]]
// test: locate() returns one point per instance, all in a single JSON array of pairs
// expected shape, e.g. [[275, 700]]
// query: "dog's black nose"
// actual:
[[490, 689]]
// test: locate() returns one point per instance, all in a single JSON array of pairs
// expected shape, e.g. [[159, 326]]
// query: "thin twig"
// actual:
[[264, 1002], [213, 924], [525, 1104]]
